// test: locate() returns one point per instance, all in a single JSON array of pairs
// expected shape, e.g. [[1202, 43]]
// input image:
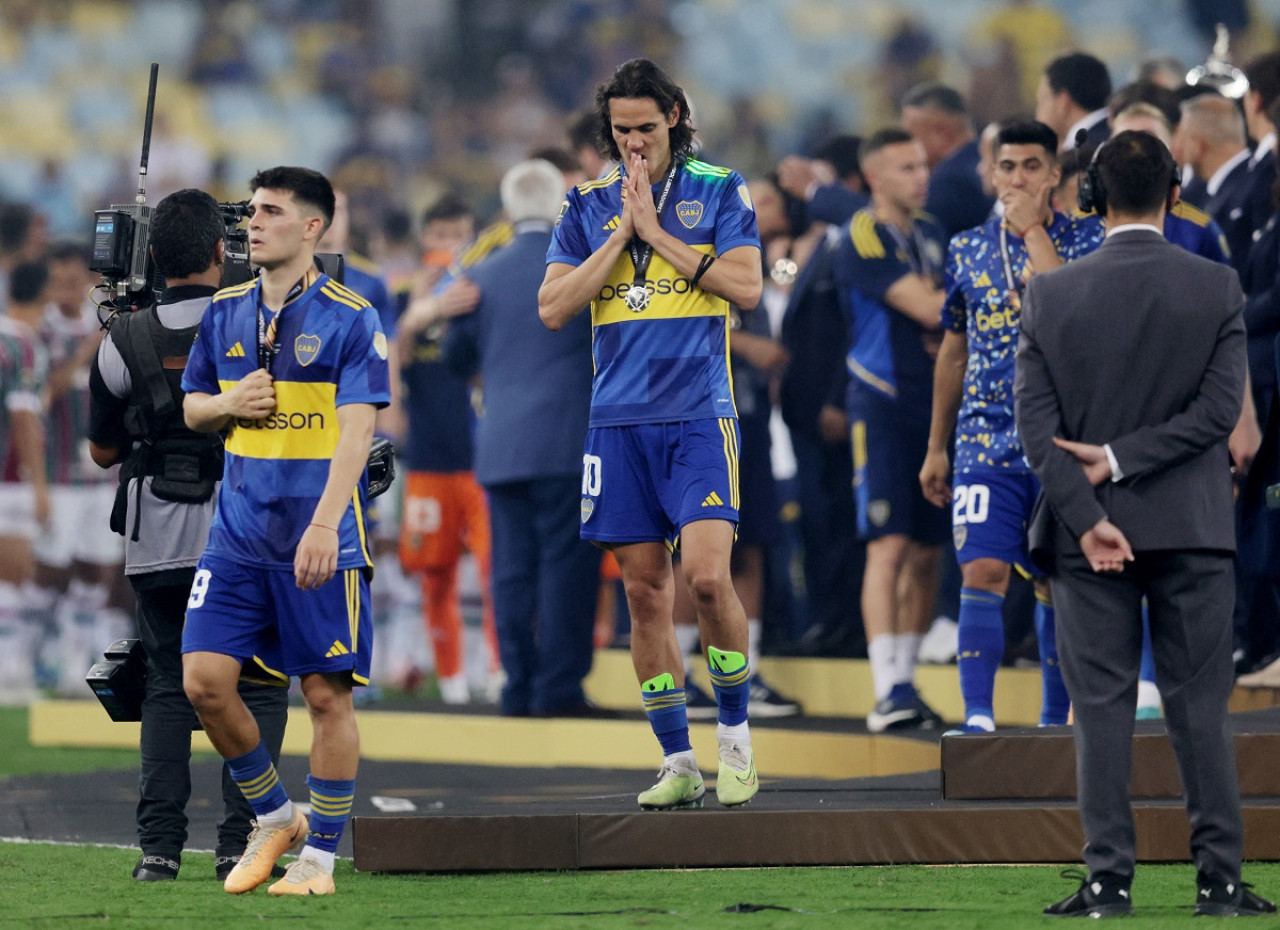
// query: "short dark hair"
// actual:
[[16, 220], [1074, 161], [27, 281], [584, 130], [1136, 171], [1028, 132], [639, 78], [882, 139], [936, 96], [68, 250], [563, 161], [307, 186], [185, 233], [1084, 78], [1263, 72], [842, 152], [1148, 92], [449, 207]]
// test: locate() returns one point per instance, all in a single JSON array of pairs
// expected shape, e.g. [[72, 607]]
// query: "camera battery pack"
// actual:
[[120, 680]]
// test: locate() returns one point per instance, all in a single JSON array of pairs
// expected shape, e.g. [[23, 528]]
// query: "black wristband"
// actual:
[[707, 261]]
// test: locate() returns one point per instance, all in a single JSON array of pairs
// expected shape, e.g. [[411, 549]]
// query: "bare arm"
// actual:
[[28, 437], [948, 384], [913, 295], [316, 558], [104, 456], [566, 291], [252, 398]]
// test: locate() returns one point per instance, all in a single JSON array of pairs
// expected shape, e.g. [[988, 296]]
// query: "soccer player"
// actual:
[[294, 366], [660, 247], [993, 489], [888, 270]]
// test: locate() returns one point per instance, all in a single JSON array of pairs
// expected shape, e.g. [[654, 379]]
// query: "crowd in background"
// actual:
[[416, 111]]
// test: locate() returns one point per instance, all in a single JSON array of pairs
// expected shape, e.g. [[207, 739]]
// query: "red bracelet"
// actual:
[[324, 526], [1023, 234]]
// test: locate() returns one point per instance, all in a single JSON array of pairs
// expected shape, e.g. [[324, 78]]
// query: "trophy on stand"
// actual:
[[1218, 72]]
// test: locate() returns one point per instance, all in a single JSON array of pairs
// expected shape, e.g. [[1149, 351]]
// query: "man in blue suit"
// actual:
[[528, 456], [935, 114]]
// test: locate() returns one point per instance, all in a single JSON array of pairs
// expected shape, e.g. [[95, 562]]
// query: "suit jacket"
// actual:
[[1260, 203], [956, 199], [537, 383], [1229, 206], [1140, 345]]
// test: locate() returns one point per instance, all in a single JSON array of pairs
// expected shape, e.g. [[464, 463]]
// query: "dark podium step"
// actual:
[[1040, 763]]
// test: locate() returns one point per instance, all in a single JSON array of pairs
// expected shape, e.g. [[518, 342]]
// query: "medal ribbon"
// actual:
[[640, 257]]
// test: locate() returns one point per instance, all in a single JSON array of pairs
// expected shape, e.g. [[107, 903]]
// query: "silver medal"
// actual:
[[637, 299]]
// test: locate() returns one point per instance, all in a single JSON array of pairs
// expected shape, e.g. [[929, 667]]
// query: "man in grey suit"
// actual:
[[1129, 379], [537, 394]]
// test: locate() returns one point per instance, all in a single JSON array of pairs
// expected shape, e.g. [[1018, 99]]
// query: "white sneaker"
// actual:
[[941, 643], [454, 689]]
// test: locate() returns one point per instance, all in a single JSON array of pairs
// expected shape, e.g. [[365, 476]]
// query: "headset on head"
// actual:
[[1091, 194]]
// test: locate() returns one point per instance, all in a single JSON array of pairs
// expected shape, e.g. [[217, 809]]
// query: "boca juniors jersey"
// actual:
[[979, 305], [887, 352], [669, 361], [331, 352]]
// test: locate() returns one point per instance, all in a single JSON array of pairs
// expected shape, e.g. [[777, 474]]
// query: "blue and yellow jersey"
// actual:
[[364, 277], [1197, 232], [332, 352], [979, 305], [887, 353], [670, 361]]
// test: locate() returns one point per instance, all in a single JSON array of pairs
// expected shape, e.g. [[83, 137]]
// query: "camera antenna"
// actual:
[[141, 197]]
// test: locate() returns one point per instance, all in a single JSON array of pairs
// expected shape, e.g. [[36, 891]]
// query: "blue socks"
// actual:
[[331, 801], [258, 782], [1147, 671], [1054, 702], [980, 649], [731, 681], [664, 704]]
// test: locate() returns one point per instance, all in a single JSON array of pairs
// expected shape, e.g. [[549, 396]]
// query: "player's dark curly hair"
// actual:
[[307, 186], [640, 77]]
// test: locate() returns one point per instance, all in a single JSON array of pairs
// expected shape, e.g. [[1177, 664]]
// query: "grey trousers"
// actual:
[[1190, 595]]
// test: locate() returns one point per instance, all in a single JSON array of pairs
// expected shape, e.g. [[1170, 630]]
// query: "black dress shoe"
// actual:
[[1230, 900], [1092, 899], [150, 868]]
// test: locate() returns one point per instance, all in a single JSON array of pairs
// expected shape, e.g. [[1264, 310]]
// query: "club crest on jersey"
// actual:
[[959, 534], [588, 508], [878, 512], [689, 212], [306, 348]]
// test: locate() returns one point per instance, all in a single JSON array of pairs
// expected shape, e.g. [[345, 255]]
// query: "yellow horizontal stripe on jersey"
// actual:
[[672, 295], [862, 374], [304, 424]]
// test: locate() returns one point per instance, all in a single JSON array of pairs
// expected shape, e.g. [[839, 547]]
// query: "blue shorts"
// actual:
[[888, 449], [261, 615], [989, 515], [642, 483]]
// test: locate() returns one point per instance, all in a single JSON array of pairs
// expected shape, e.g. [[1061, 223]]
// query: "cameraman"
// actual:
[[163, 508]]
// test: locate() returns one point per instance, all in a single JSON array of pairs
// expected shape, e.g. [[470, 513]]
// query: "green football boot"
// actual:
[[679, 786], [737, 782]]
